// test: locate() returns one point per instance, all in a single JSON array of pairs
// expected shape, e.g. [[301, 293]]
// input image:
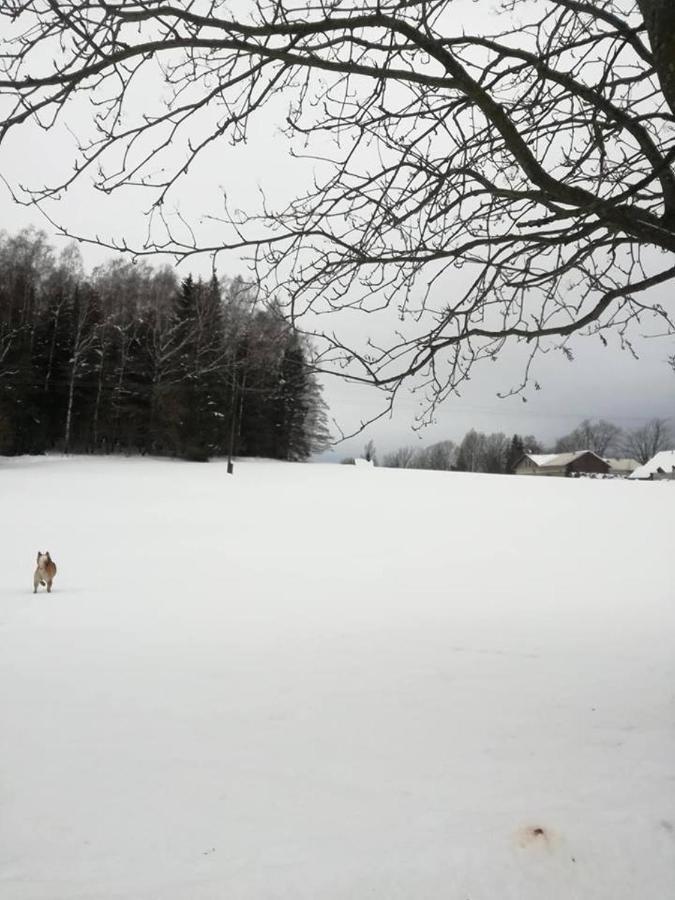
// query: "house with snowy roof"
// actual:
[[622, 468], [659, 468], [581, 462]]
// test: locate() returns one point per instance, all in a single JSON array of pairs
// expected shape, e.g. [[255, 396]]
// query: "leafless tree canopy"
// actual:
[[601, 437], [537, 161], [646, 441]]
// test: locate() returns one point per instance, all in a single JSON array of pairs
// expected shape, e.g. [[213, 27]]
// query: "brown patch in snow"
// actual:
[[533, 836]]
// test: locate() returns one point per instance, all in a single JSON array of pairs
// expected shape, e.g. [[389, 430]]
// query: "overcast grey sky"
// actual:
[[605, 382]]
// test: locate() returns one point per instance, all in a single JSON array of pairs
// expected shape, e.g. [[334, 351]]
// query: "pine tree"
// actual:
[[290, 404], [128, 360], [516, 451], [316, 427]]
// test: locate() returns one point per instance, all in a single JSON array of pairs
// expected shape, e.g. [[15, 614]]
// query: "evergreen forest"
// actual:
[[133, 359]]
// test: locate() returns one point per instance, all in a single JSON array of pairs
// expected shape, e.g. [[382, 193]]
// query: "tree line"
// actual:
[[131, 359], [496, 453]]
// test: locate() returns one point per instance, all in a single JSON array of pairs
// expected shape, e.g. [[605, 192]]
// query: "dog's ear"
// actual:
[[37, 558]]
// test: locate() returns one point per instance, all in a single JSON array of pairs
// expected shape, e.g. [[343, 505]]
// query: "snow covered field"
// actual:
[[328, 683]]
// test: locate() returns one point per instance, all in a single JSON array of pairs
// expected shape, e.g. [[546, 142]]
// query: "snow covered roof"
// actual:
[[664, 460], [563, 459], [557, 459], [541, 459]]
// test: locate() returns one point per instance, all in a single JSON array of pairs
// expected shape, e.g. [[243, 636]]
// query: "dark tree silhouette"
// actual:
[[601, 437], [538, 159], [515, 454], [129, 360], [646, 441]]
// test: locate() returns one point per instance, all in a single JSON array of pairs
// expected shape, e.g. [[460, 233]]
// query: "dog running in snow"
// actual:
[[44, 571]]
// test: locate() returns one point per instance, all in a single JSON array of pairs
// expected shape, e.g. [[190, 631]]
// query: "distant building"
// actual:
[[622, 468], [583, 462], [659, 468]]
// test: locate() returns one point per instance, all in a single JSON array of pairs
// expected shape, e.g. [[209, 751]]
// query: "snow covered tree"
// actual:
[[128, 359]]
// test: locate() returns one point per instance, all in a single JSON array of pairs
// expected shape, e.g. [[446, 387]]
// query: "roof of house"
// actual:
[[664, 460], [540, 459], [556, 460], [564, 459]]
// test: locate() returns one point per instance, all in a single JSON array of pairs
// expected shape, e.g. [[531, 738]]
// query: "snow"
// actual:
[[319, 681], [665, 460], [542, 459]]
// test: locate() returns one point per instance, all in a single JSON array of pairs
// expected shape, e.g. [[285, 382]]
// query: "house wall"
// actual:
[[587, 464], [526, 467]]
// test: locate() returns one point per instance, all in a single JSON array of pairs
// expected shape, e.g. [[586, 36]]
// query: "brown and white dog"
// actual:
[[44, 572]]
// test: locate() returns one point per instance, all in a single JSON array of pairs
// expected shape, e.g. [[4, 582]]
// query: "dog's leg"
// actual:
[[49, 586], [36, 581]]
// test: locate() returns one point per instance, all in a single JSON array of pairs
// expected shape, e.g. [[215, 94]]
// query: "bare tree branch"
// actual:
[[479, 189]]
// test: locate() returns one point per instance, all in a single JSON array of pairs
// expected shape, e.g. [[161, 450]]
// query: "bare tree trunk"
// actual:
[[69, 411], [99, 391], [117, 393], [236, 413], [81, 345], [52, 348], [241, 404], [659, 16]]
